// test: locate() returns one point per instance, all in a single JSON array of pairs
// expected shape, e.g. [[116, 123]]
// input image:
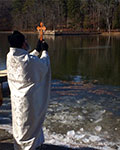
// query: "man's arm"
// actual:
[[42, 64]]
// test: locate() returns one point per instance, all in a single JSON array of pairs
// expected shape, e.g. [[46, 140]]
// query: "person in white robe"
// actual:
[[29, 79]]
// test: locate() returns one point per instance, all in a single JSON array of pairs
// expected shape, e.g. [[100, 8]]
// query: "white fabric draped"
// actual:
[[29, 79]]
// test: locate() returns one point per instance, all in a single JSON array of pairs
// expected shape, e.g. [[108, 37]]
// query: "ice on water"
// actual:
[[73, 121]]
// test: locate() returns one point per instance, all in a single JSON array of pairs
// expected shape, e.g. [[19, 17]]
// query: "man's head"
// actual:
[[16, 39]]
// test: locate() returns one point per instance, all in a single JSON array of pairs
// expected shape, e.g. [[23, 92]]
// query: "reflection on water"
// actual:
[[83, 56], [90, 57]]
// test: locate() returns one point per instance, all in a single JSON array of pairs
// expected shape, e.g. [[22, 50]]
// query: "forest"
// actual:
[[78, 15]]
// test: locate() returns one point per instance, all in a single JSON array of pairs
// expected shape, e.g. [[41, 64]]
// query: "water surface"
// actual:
[[78, 57]]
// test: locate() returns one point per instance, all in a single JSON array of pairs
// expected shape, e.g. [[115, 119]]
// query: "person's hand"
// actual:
[[38, 48], [44, 46]]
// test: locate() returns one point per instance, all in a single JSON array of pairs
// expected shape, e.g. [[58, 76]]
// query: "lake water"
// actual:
[[78, 57], [80, 112]]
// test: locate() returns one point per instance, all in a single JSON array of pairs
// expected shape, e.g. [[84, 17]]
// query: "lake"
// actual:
[[78, 57], [80, 112]]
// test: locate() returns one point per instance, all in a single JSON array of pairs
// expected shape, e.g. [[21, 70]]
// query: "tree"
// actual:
[[56, 14], [17, 14], [116, 20], [64, 11], [73, 10], [5, 15], [107, 7], [88, 20]]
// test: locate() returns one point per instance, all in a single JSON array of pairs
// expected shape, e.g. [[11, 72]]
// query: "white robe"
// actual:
[[29, 79]]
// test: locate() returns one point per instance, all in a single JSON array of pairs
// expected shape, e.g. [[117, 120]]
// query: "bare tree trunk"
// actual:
[[108, 25]]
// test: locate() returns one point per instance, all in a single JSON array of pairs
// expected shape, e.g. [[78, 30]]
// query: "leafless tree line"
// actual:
[[60, 14]]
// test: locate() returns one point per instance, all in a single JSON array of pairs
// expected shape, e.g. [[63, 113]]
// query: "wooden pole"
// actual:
[[1, 98]]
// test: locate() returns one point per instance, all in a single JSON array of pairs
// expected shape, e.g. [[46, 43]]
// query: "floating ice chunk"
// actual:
[[116, 129], [71, 133], [91, 120], [107, 148], [78, 101], [94, 138], [52, 141], [63, 121], [81, 129], [106, 132], [98, 120], [85, 111], [98, 128], [50, 109], [66, 140], [98, 114], [79, 136], [85, 140], [80, 117]]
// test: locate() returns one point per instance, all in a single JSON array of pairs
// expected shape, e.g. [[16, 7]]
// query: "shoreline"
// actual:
[[62, 33]]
